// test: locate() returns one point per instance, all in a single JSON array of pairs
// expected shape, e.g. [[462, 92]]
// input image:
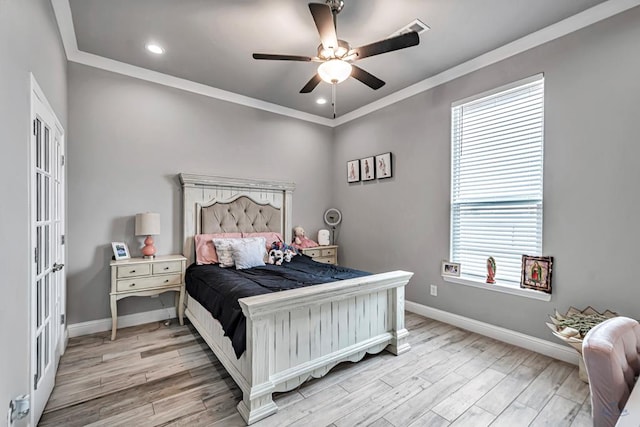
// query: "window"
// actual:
[[496, 179]]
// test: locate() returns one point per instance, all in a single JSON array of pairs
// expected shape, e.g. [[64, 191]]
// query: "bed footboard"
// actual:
[[295, 335]]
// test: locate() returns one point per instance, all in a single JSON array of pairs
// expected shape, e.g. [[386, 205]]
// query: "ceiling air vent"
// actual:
[[416, 25]]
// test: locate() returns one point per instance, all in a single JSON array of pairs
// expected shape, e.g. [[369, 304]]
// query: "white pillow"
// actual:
[[223, 251], [248, 252]]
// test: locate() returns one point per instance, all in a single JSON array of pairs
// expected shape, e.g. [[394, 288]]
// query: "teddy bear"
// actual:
[[300, 241]]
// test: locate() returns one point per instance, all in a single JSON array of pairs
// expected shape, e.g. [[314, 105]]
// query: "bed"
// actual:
[[294, 335]]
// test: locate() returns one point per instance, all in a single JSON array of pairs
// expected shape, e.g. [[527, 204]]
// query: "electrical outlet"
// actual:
[[434, 290]]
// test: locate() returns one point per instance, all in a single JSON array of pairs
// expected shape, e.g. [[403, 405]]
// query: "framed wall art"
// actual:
[[353, 171], [367, 168], [383, 166], [536, 273], [120, 250], [450, 269]]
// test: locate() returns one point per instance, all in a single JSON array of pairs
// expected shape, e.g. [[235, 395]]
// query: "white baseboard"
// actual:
[[551, 349], [101, 325]]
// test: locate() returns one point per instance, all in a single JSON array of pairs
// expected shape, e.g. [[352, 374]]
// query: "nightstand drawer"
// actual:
[[312, 252], [148, 282], [326, 260], [328, 252], [133, 270], [167, 267]]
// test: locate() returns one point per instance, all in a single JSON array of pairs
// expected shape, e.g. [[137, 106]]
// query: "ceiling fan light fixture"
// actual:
[[334, 71]]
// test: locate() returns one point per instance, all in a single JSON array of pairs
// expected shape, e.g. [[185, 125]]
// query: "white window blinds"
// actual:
[[496, 179]]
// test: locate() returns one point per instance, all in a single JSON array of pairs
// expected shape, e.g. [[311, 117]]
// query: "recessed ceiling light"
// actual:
[[154, 48], [321, 101]]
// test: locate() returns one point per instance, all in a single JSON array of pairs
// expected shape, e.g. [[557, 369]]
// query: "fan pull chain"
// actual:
[[333, 98]]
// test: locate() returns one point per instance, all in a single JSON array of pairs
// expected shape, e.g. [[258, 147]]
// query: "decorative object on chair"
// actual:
[[353, 171], [332, 217], [574, 325], [491, 270], [450, 269], [120, 250], [383, 166], [148, 224], [536, 273]]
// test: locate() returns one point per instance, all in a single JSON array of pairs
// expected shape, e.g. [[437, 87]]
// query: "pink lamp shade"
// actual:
[[148, 224]]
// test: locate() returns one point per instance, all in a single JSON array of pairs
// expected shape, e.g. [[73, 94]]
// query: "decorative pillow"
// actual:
[[249, 252], [270, 237], [206, 251], [224, 252]]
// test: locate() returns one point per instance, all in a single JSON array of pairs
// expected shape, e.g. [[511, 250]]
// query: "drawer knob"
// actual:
[[166, 268], [166, 281], [133, 284], [132, 271]]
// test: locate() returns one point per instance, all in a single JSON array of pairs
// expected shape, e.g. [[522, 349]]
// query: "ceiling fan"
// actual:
[[335, 56]]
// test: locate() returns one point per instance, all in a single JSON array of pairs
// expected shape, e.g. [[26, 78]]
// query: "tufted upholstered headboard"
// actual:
[[213, 204]]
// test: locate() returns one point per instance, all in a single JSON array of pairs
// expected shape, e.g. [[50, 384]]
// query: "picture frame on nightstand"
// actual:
[[120, 251]]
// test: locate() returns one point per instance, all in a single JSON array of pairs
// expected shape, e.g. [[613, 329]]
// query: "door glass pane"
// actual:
[[46, 246], [45, 348], [47, 197], [38, 249], [38, 144], [39, 303], [38, 358], [47, 149], [47, 295], [38, 196]]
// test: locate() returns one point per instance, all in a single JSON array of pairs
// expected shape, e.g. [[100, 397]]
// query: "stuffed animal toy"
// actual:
[[276, 256], [281, 252], [300, 241]]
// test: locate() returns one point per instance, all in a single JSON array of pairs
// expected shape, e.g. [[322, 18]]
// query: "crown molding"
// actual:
[[602, 11]]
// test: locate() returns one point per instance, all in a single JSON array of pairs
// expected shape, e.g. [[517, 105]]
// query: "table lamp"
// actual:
[[148, 224]]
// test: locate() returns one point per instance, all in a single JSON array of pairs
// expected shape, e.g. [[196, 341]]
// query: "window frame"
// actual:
[[505, 287]]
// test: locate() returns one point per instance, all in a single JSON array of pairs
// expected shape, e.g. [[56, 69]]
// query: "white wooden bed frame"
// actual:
[[297, 334]]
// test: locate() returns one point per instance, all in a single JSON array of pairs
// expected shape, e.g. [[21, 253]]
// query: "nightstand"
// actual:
[[137, 277], [325, 254]]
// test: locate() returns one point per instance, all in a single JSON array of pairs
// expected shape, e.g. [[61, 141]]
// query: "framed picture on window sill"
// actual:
[[450, 269], [536, 273]]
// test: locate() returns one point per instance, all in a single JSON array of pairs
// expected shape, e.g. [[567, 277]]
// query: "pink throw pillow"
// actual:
[[206, 251]]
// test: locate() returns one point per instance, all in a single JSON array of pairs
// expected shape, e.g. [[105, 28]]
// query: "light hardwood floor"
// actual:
[[155, 375]]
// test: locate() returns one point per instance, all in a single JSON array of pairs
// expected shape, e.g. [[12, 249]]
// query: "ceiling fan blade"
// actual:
[[278, 57], [323, 17], [388, 45], [311, 84], [367, 78]]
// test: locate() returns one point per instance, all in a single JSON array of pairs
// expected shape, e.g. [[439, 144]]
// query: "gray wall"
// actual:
[[128, 140], [29, 42], [591, 199]]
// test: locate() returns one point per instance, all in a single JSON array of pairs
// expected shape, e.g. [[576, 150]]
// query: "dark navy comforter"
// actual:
[[218, 289]]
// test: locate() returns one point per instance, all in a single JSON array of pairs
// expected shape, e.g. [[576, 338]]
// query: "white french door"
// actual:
[[47, 294]]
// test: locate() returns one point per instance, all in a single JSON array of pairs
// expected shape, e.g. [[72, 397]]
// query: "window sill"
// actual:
[[497, 287]]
